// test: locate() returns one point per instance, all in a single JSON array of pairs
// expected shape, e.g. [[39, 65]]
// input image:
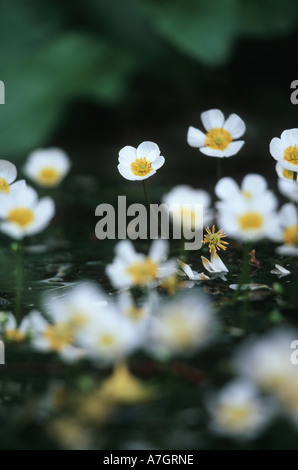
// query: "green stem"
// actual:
[[243, 278], [146, 193], [19, 279], [218, 169]]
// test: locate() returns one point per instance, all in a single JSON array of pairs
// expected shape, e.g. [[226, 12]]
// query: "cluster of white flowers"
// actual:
[[21, 212]]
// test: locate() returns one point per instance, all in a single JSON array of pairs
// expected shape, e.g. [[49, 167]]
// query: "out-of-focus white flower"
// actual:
[[140, 163], [182, 325], [219, 138], [78, 306], [285, 149], [250, 220], [56, 337], [23, 214], [130, 268], [280, 271], [110, 337], [288, 188], [267, 361], [253, 188], [185, 195], [139, 314], [288, 220], [14, 332], [47, 167], [192, 275], [8, 174], [215, 266], [238, 411]]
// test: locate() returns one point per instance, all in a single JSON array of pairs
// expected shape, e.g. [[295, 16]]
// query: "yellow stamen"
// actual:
[[214, 240], [14, 335], [21, 216], [288, 174], [59, 335], [290, 235], [247, 194], [107, 340], [4, 186], [218, 139], [141, 167], [250, 221], [49, 176], [291, 154], [233, 416], [143, 272]]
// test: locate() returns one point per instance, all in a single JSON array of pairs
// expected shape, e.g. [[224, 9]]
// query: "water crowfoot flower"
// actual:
[[14, 332], [47, 167], [280, 271], [192, 275], [285, 150], [23, 214], [140, 163], [218, 141], [8, 174], [130, 268], [215, 266], [288, 225], [238, 411]]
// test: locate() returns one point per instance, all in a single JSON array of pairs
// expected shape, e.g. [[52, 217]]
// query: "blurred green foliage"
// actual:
[[54, 53]]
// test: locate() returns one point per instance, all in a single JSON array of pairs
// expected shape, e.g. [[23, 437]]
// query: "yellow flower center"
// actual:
[[182, 336], [78, 319], [4, 186], [107, 340], [234, 417], [246, 194], [218, 139], [59, 335], [134, 313], [14, 335], [143, 272], [291, 154], [21, 216], [250, 221], [49, 176], [290, 235], [288, 174], [141, 167]]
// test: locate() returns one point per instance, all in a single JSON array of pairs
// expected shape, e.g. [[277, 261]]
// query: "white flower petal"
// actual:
[[235, 125], [195, 137], [227, 188], [159, 250], [148, 150], [127, 155], [276, 148], [212, 152], [254, 184], [212, 118], [8, 171], [233, 148], [158, 162]]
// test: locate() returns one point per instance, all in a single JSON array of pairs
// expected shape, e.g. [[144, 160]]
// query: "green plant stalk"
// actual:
[[19, 280], [146, 194], [243, 278]]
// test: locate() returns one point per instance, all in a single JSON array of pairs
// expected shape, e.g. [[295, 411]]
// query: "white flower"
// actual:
[[253, 187], [15, 332], [280, 271], [47, 167], [185, 195], [238, 411], [8, 174], [218, 140], [140, 163], [110, 337], [23, 214], [288, 188], [138, 314], [182, 325], [130, 268], [56, 337], [215, 266], [267, 362], [192, 275], [285, 150], [249, 219], [288, 220], [79, 306]]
